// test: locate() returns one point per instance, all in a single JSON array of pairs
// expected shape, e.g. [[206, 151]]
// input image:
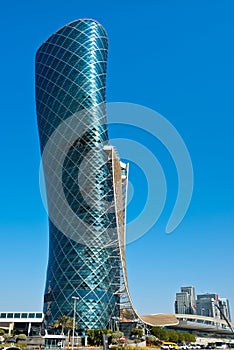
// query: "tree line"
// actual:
[[64, 325], [173, 336]]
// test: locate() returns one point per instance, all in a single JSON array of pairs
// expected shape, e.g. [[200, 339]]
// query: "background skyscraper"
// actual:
[[185, 302], [206, 305], [225, 308], [86, 248]]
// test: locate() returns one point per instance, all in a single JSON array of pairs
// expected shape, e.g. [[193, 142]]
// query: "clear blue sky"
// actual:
[[176, 57]]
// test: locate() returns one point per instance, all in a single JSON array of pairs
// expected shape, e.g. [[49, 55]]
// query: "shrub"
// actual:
[[21, 337], [115, 337], [128, 347], [95, 336], [19, 345]]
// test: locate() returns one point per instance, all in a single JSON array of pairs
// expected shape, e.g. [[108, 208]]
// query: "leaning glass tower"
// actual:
[[85, 182]]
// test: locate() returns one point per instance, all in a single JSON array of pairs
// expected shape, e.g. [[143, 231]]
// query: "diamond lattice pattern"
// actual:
[[70, 77]]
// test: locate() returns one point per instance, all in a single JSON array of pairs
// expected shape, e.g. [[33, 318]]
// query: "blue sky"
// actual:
[[175, 57]]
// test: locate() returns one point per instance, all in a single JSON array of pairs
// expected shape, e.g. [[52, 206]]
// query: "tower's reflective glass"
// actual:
[[86, 187]]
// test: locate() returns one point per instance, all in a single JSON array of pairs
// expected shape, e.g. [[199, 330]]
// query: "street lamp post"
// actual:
[[74, 321]]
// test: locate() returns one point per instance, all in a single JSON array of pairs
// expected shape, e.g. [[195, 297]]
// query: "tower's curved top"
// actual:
[[71, 75], [88, 21]]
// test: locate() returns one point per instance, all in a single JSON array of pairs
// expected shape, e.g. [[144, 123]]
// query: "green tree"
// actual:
[[64, 323], [159, 332], [2, 331], [116, 337], [63, 320], [151, 339], [172, 336], [91, 336], [55, 326], [189, 338], [137, 333], [95, 336], [69, 326], [180, 337]]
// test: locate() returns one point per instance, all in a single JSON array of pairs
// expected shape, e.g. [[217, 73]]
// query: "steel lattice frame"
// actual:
[[70, 81]]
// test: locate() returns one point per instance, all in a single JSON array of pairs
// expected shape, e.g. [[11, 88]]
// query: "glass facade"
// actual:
[[86, 236]]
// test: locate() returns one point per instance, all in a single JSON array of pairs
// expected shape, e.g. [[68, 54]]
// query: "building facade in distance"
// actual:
[[225, 308], [185, 302], [85, 181], [207, 305], [211, 305]]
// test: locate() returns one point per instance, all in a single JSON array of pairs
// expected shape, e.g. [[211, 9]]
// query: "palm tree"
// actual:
[[66, 322], [63, 322], [69, 326], [55, 326]]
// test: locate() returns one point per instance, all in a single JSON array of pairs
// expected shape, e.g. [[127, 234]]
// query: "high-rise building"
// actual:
[[182, 303], [225, 309], [185, 302], [207, 305], [192, 298], [85, 181]]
